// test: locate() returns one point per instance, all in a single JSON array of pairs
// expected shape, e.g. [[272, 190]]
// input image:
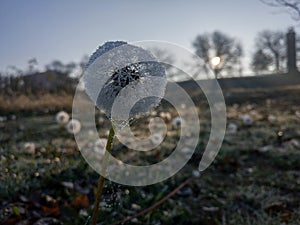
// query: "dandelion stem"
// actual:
[[102, 179]]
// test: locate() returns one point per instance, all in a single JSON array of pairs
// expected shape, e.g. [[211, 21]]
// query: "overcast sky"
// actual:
[[68, 29]]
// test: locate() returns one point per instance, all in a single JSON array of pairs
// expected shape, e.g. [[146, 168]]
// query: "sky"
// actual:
[[66, 30]]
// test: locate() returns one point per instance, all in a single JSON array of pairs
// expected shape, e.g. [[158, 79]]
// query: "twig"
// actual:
[[154, 205]]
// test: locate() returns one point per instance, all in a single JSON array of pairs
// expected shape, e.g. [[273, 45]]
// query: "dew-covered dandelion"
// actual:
[[116, 66], [73, 126], [62, 118], [124, 81], [177, 122]]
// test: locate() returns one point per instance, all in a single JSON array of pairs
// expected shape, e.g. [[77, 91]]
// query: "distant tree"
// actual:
[[13, 71], [291, 6], [58, 66], [82, 64], [218, 44], [32, 65], [70, 67], [261, 62], [272, 43]]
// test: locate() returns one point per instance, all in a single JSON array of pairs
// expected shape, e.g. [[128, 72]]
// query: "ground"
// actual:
[[255, 178]]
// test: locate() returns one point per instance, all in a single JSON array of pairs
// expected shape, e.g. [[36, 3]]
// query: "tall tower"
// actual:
[[291, 50]]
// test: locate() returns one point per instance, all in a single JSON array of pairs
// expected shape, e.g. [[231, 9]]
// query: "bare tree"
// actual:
[[273, 43], [32, 65], [221, 46], [58, 66], [291, 6], [261, 62]]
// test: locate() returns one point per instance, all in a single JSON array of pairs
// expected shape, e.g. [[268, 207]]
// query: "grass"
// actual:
[[248, 183]]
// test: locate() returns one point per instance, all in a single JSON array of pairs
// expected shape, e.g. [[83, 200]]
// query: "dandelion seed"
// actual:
[[232, 128], [29, 147], [62, 118], [73, 126], [177, 122], [247, 120]]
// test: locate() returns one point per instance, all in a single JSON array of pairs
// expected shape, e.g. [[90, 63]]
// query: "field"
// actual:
[[255, 178]]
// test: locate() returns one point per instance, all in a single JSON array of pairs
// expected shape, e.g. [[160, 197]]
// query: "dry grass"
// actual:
[[30, 103]]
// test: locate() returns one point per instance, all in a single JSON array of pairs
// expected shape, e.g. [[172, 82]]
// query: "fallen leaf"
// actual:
[[81, 200], [55, 211], [285, 216]]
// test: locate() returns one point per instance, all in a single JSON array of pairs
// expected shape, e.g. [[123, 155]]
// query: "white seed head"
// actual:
[[271, 118], [157, 138], [73, 126], [29, 147], [116, 66], [62, 118], [247, 120], [177, 122], [232, 128]]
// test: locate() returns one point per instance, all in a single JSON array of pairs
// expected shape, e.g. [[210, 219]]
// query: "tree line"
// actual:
[[269, 55], [220, 52]]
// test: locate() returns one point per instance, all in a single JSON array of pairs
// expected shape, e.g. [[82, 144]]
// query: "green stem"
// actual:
[[102, 179]]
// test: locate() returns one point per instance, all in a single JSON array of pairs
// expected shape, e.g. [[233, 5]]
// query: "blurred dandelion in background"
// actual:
[[157, 138], [247, 120], [73, 126], [166, 116], [62, 118], [232, 128], [272, 118], [29, 148], [177, 122]]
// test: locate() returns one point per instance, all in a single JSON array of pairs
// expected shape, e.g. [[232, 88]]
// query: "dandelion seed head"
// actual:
[[247, 120], [116, 66], [177, 122], [62, 118], [29, 147], [271, 118], [166, 116], [232, 128], [73, 126]]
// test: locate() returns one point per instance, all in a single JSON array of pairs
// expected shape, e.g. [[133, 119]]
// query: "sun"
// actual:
[[215, 61]]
